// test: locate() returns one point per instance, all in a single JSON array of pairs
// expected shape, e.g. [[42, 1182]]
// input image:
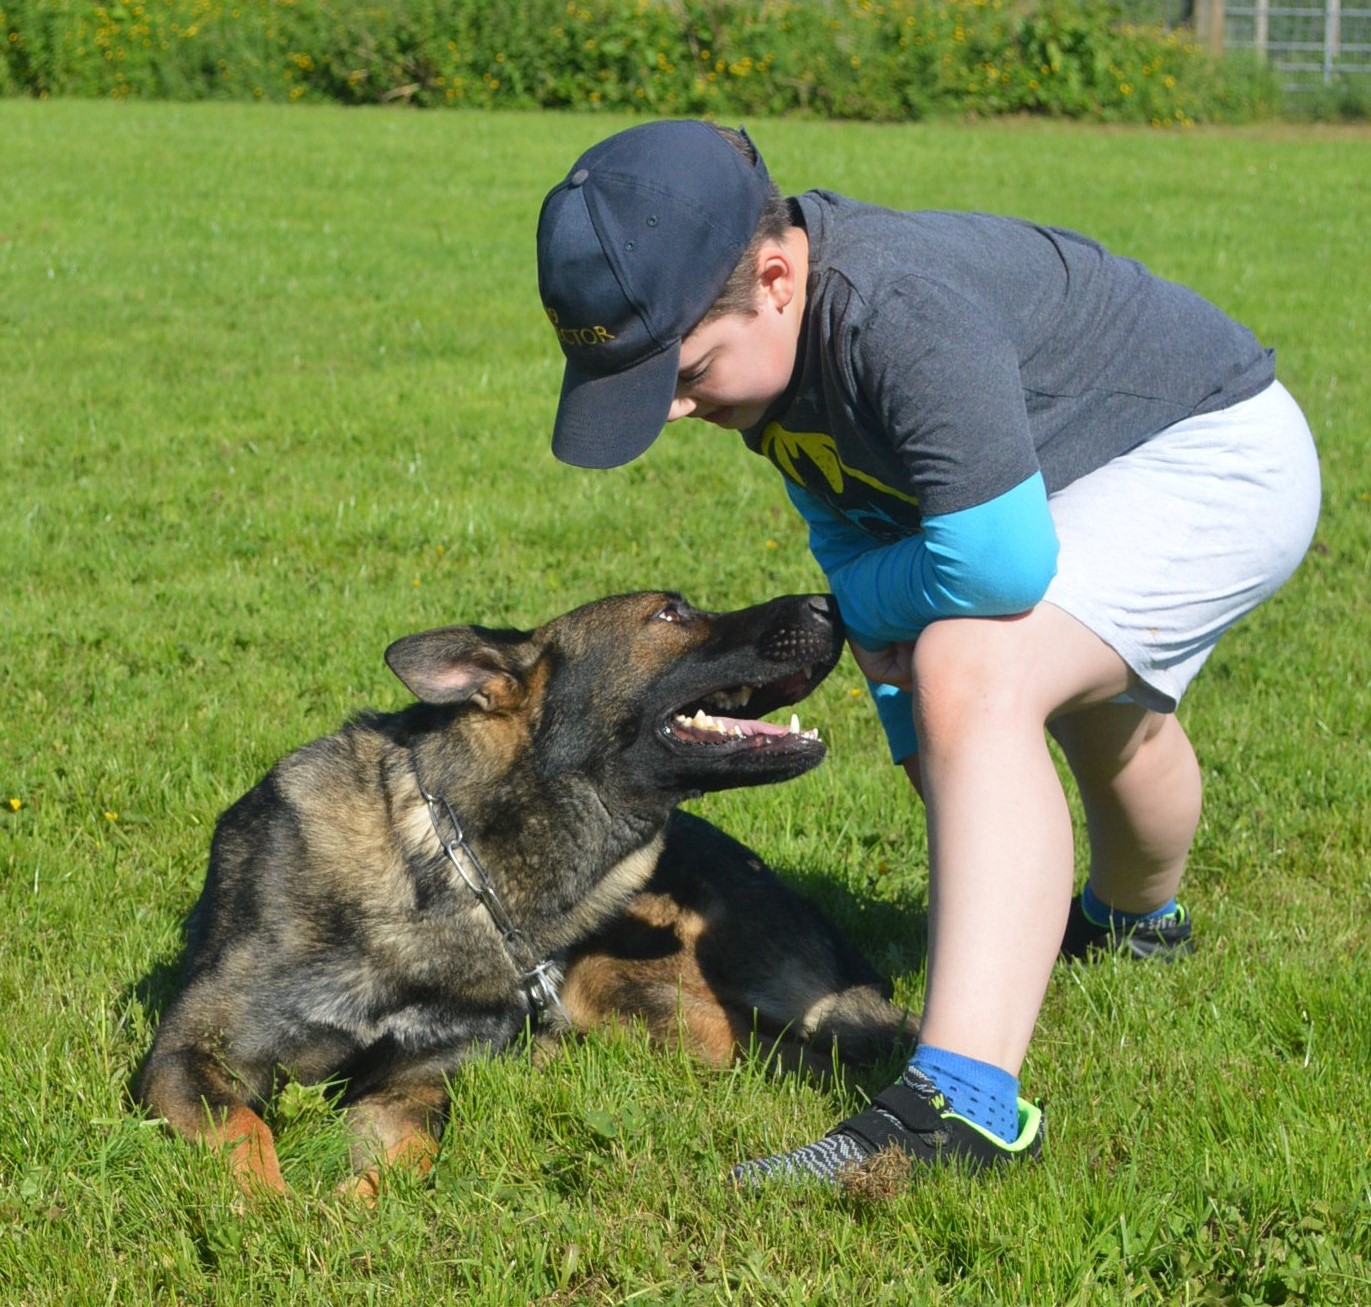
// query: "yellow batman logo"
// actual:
[[784, 447]]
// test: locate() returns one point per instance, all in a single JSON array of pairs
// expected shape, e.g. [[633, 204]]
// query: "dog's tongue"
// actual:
[[704, 727]]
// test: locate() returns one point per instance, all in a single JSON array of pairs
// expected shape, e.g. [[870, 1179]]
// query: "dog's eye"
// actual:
[[672, 613]]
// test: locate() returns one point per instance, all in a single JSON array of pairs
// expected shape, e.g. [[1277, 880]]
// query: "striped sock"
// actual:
[[986, 1095], [1101, 914]]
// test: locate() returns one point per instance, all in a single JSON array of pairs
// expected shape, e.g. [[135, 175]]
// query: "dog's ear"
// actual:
[[459, 664]]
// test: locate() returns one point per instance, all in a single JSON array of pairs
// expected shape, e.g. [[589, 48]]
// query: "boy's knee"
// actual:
[[968, 670], [1101, 741]]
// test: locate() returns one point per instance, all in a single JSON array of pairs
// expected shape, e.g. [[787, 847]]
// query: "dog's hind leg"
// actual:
[[398, 1125]]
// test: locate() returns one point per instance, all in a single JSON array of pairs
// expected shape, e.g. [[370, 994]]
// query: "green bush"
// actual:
[[888, 61], [1343, 99]]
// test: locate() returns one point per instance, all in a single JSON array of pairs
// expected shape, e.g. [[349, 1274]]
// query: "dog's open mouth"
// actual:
[[702, 721]]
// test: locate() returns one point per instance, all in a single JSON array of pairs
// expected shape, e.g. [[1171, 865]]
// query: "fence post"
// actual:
[[1209, 24], [1332, 37]]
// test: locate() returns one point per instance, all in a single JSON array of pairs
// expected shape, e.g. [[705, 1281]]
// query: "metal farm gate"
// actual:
[[1309, 42]]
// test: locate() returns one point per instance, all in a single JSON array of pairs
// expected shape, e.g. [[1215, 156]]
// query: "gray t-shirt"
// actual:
[[946, 357]]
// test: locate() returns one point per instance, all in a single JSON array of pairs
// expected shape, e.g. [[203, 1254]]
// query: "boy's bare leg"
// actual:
[[1001, 869], [1141, 788], [999, 830]]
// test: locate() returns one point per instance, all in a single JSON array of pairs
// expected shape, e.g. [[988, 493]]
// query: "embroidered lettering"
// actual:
[[582, 337]]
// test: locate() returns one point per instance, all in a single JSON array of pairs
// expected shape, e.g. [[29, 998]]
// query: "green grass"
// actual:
[[275, 388]]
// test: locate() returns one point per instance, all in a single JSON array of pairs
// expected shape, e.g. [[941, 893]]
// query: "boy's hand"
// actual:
[[892, 665]]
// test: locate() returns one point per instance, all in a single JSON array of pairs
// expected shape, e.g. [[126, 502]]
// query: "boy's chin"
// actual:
[[731, 418]]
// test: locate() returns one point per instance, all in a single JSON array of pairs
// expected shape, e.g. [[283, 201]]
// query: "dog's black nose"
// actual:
[[824, 607]]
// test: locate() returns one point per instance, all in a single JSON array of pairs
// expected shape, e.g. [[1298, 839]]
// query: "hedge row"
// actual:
[[865, 59]]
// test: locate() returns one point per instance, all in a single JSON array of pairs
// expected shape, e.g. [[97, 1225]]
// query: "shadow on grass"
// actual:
[[153, 992], [892, 932]]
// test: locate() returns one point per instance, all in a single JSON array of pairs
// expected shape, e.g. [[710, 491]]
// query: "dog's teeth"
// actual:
[[744, 695], [702, 721], [809, 671]]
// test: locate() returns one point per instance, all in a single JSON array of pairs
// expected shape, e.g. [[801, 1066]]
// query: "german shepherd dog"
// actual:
[[422, 885]]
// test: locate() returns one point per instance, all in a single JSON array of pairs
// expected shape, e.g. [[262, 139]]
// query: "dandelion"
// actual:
[[16, 804], [111, 815]]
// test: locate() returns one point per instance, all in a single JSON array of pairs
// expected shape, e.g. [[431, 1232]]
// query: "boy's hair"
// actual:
[[739, 294]]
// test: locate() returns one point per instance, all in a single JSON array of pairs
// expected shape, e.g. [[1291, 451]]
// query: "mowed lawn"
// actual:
[[275, 388]]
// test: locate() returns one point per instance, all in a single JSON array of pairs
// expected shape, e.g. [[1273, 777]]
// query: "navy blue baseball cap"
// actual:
[[634, 246]]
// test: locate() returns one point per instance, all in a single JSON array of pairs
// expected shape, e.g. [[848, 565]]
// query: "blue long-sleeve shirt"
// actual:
[[988, 561]]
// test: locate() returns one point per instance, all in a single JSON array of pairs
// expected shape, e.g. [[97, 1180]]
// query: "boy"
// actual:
[[1041, 483]]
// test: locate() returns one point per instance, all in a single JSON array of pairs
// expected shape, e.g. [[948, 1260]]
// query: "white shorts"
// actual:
[[1164, 548]]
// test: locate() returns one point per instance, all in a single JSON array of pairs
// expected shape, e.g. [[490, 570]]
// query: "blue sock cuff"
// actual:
[[978, 1091], [1098, 911]]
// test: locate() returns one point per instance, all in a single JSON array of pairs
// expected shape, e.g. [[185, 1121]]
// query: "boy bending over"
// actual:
[[1041, 483]]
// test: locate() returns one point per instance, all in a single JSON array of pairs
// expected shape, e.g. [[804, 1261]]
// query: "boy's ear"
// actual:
[[778, 274]]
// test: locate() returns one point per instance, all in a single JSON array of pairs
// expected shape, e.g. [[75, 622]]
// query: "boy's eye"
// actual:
[[694, 376]]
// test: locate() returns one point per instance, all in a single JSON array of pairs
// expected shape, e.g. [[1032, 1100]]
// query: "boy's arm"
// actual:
[[988, 561]]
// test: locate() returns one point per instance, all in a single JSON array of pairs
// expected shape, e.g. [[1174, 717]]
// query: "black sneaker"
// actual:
[[912, 1116], [1167, 938]]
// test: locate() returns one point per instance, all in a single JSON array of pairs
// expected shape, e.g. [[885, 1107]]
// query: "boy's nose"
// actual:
[[680, 408]]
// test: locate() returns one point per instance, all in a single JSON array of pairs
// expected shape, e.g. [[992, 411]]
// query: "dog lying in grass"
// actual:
[[422, 885]]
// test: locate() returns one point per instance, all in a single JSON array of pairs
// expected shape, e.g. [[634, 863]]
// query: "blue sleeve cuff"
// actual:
[[988, 561], [895, 708]]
